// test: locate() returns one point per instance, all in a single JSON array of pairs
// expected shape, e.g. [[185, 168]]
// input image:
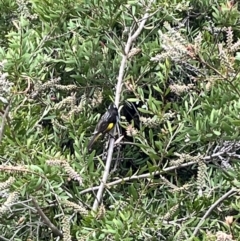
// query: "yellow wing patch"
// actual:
[[110, 126]]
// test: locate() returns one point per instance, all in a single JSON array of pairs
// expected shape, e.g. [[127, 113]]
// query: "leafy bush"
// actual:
[[172, 66]]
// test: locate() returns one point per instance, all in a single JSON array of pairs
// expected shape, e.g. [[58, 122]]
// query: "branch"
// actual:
[[46, 220], [117, 99], [220, 74], [4, 119], [3, 239], [214, 205], [146, 175]]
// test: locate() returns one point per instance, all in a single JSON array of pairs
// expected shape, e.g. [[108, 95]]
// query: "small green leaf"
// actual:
[[218, 133]]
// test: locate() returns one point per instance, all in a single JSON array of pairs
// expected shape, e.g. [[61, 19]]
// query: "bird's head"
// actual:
[[112, 106]]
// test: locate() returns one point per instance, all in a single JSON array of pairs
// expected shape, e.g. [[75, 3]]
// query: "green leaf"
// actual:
[[218, 133]]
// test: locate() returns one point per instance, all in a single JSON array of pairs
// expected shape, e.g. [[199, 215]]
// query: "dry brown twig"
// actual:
[[5, 115], [46, 220], [212, 207]]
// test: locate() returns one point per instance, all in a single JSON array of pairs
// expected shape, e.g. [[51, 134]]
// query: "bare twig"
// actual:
[[4, 119], [220, 74], [165, 170], [214, 205], [28, 86], [46, 220], [135, 177], [130, 40], [3, 239]]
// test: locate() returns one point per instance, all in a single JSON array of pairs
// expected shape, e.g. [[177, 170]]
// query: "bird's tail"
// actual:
[[93, 140]]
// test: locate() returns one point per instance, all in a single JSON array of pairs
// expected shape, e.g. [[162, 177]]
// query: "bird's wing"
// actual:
[[102, 124]]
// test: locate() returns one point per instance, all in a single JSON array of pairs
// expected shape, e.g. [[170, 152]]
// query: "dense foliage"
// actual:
[[175, 169]]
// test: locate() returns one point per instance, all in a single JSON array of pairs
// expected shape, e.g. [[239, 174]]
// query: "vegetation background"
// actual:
[[175, 174]]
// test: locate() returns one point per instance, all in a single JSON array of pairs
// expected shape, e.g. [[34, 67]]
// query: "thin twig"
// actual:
[[135, 177], [4, 119], [147, 175], [3, 239], [212, 207], [220, 74], [46, 220], [28, 86], [131, 38]]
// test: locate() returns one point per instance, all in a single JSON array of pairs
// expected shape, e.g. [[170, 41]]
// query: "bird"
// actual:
[[105, 124]]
